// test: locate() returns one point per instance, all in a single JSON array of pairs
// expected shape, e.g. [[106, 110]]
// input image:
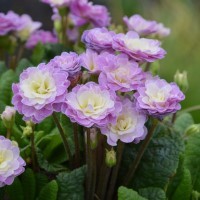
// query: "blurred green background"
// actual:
[[183, 46]]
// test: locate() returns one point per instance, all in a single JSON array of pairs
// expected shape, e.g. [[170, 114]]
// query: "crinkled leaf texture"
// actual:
[[128, 194], [153, 193], [159, 162], [71, 185]]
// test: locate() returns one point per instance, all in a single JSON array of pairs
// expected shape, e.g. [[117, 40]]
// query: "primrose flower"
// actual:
[[119, 73], [98, 39], [98, 15], [7, 22], [140, 49], [11, 164], [40, 91], [129, 126], [91, 105], [89, 60], [67, 62], [145, 27], [140, 25], [158, 98], [57, 3], [40, 36], [26, 26]]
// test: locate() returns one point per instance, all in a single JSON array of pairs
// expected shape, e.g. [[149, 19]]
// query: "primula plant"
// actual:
[[85, 114]]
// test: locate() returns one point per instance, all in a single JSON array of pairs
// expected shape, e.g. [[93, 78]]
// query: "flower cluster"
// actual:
[[117, 96], [11, 164]]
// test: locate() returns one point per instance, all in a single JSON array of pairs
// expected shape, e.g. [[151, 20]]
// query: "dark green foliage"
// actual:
[[153, 193], [49, 191], [128, 194], [159, 162], [71, 185]]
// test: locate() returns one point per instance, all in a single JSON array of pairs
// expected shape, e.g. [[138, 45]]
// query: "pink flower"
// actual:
[[41, 36], [91, 105], [139, 49], [118, 73], [40, 91], [98, 39], [11, 163], [89, 60], [129, 126], [158, 98]]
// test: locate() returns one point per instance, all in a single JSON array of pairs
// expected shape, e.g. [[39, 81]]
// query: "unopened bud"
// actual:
[[8, 117], [110, 158], [181, 80], [28, 129], [194, 128]]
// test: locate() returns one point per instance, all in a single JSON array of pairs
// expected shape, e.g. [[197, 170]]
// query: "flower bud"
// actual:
[[194, 128], [110, 158], [28, 129], [181, 80], [8, 117]]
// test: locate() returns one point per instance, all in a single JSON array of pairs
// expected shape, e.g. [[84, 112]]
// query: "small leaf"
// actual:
[[128, 194], [49, 191], [23, 64]]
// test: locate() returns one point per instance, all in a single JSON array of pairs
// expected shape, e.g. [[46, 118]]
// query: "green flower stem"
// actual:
[[190, 109], [91, 169], [89, 166], [64, 139], [134, 165], [147, 67], [33, 152], [103, 180], [76, 143], [8, 134], [114, 174], [173, 118]]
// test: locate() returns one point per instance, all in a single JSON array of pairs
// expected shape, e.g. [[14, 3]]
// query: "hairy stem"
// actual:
[[33, 152], [147, 67], [190, 109], [8, 134], [134, 165], [115, 171], [76, 143], [64, 139]]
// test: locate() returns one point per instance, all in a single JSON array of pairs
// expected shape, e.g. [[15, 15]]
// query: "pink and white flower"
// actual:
[[91, 105], [11, 163], [118, 73], [129, 126], [139, 49]]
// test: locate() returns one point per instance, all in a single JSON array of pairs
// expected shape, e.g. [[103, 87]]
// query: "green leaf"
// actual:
[[29, 184], [15, 191], [49, 191], [38, 54], [49, 167], [46, 125], [6, 81], [23, 64], [184, 189], [159, 161], [128, 194], [183, 122], [152, 193], [192, 159], [71, 185], [41, 181]]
